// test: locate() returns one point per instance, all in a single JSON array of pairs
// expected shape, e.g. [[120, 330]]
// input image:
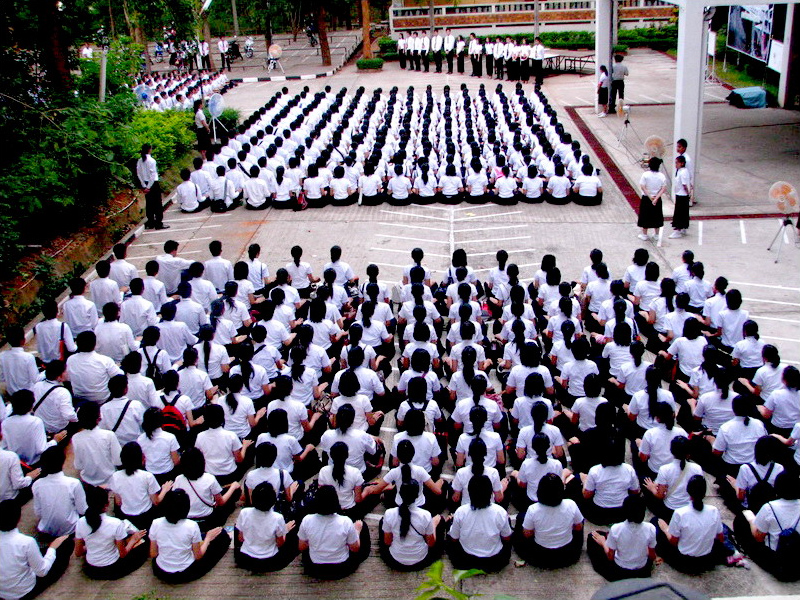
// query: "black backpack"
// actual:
[[787, 552], [151, 370], [762, 492]]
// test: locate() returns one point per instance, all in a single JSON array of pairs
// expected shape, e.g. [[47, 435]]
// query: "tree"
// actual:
[[365, 26], [322, 29]]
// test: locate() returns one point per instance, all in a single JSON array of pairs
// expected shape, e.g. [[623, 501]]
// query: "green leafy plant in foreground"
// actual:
[[434, 586]]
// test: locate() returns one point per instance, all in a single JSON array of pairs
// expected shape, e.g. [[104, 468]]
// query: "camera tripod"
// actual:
[[787, 224]]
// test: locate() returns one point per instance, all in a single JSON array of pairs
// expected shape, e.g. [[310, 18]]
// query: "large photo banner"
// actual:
[[750, 30]]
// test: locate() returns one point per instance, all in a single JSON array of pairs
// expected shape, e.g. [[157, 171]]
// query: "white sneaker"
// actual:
[[654, 238], [675, 235], [601, 115], [643, 237]]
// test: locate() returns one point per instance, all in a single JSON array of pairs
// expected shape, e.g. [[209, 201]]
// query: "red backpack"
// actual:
[[173, 421]]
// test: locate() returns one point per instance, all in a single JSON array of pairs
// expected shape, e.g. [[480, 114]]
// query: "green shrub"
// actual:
[[389, 56], [387, 45], [168, 132], [620, 48], [369, 63], [229, 118]]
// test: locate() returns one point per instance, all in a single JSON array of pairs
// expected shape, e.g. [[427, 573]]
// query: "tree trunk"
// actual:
[[322, 29], [209, 39], [431, 19], [267, 22], [365, 27], [235, 18], [55, 54], [111, 20], [128, 23]]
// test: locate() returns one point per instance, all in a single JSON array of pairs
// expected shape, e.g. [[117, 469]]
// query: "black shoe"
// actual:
[[161, 226], [149, 226]]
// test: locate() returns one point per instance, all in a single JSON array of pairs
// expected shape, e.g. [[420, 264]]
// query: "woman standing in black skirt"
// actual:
[[651, 214]]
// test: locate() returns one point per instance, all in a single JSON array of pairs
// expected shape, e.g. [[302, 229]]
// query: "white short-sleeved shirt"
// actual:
[[158, 451], [254, 387], [358, 443], [395, 477], [640, 406], [346, 490], [299, 274], [465, 405], [494, 444], [175, 543], [480, 531], [260, 531], [714, 410], [611, 484], [96, 454], [201, 492], [746, 479], [586, 408], [218, 446], [576, 371], [631, 543], [787, 513], [785, 406], [464, 475], [130, 425], [288, 447], [521, 411], [656, 444], [303, 388], [696, 530], [731, 323], [296, 413], [134, 490], [531, 472], [101, 547], [552, 526], [769, 378], [328, 537], [412, 548], [553, 433], [737, 441], [670, 476], [748, 352]]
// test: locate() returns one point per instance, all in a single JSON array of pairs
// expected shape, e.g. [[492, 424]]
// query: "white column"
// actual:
[[605, 27], [783, 84], [690, 84]]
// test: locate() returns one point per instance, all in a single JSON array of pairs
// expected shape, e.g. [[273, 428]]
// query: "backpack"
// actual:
[[152, 371], [787, 552], [762, 492], [173, 421]]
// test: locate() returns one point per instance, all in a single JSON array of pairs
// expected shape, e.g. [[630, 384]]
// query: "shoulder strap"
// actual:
[[44, 396], [168, 403], [259, 349], [121, 416], [199, 497], [769, 472], [679, 480], [61, 339], [755, 473]]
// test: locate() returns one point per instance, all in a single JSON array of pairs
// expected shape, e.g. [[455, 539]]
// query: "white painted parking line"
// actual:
[[495, 252], [700, 233], [649, 98], [413, 239], [505, 239], [781, 339], [408, 225], [772, 302], [397, 212], [151, 256], [407, 252], [660, 237], [513, 212], [764, 285], [742, 231], [389, 429], [174, 230], [493, 228], [472, 207], [380, 264], [775, 319], [200, 218], [582, 101], [522, 266]]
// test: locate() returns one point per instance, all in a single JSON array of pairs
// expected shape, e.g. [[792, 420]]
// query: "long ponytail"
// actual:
[[409, 492], [339, 455], [477, 452], [652, 385]]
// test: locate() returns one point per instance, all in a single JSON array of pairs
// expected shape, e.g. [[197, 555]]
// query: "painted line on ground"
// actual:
[[495, 252], [795, 321], [442, 229], [380, 264], [494, 228], [772, 302], [764, 285], [505, 239], [150, 232], [742, 231], [413, 239], [408, 251], [513, 212], [781, 339], [522, 266], [473, 207], [700, 233], [397, 212], [151, 256]]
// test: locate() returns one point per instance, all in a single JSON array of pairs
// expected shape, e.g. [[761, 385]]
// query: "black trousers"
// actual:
[[489, 64], [477, 65], [460, 63], [225, 60], [205, 61], [402, 55], [153, 208], [437, 60], [333, 571], [415, 58], [498, 68], [426, 60], [680, 217], [281, 560], [123, 567], [450, 62], [538, 71], [610, 569], [617, 88]]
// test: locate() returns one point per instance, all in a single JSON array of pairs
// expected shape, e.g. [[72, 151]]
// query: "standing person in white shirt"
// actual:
[[628, 549], [402, 44], [489, 48], [680, 149], [137, 312], [224, 57], [475, 50], [205, 55], [54, 338], [147, 174], [219, 271], [96, 450], [461, 53], [90, 371], [114, 339], [436, 49], [424, 43], [121, 415], [413, 52], [449, 46], [653, 185], [18, 368], [103, 289], [537, 61], [683, 195], [170, 267], [26, 573], [121, 270], [53, 401]]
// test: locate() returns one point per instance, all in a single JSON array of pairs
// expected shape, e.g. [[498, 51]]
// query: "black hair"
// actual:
[[131, 457], [551, 490], [697, 488]]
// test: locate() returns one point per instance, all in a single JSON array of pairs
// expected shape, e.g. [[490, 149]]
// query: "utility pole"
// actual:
[[235, 18], [536, 18], [103, 60]]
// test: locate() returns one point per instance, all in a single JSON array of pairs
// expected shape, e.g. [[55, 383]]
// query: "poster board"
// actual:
[[750, 30]]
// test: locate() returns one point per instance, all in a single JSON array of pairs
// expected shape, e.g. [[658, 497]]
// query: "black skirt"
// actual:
[[650, 216], [602, 95]]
